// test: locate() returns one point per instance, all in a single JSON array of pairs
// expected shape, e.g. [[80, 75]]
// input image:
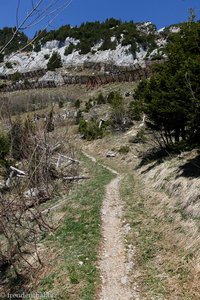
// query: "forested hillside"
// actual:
[[91, 33], [112, 41]]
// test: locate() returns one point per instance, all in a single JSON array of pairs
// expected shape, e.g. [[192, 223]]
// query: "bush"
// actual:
[[127, 94], [37, 47], [46, 56], [90, 130], [135, 111], [55, 62], [110, 97], [8, 65], [69, 49], [117, 100], [82, 126], [88, 105], [101, 99], [118, 113], [108, 45], [16, 76], [61, 103], [139, 138], [124, 149], [77, 104], [84, 47]]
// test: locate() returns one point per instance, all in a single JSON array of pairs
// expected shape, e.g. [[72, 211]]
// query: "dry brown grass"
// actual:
[[184, 190], [162, 208], [167, 258], [165, 238]]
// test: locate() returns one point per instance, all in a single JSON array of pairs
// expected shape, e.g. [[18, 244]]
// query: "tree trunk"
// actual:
[[177, 134]]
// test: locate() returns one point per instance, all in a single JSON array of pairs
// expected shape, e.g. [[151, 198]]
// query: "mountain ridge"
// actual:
[[111, 42]]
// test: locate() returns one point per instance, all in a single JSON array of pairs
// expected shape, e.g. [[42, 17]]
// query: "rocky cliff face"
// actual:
[[120, 55]]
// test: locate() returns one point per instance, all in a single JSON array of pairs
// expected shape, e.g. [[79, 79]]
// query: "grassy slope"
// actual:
[[166, 245], [73, 273], [166, 261]]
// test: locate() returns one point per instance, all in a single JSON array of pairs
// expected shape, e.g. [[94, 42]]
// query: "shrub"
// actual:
[[117, 100], [8, 65], [54, 62], [139, 138], [26, 82], [77, 104], [108, 45], [16, 76], [37, 47], [118, 113], [82, 125], [90, 130], [46, 56], [127, 94], [69, 49], [124, 149], [135, 111], [84, 47], [101, 99], [88, 105], [110, 97], [61, 103]]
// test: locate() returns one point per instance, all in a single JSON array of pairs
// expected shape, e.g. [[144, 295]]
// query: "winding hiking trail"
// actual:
[[112, 261]]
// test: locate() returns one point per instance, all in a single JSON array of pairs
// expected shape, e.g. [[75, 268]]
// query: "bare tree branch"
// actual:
[[41, 11]]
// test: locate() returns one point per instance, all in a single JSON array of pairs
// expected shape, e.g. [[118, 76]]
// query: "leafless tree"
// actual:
[[44, 168], [42, 12]]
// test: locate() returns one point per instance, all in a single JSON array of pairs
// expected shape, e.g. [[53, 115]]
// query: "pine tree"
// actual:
[[55, 62], [171, 98]]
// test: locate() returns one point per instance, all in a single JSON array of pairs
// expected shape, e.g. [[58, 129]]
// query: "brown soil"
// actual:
[[112, 262], [112, 256]]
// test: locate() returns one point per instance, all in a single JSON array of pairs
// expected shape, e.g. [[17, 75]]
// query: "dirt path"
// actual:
[[112, 257], [115, 285]]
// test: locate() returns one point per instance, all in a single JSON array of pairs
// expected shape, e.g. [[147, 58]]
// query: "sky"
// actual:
[[161, 13]]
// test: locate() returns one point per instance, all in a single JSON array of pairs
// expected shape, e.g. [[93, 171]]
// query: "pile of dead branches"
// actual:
[[44, 166]]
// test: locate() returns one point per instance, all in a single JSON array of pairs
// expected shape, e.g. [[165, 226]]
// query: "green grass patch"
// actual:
[[74, 274]]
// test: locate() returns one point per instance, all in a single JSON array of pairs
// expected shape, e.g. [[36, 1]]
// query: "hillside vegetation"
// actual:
[[91, 33], [147, 131], [121, 42], [170, 98], [19, 40]]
